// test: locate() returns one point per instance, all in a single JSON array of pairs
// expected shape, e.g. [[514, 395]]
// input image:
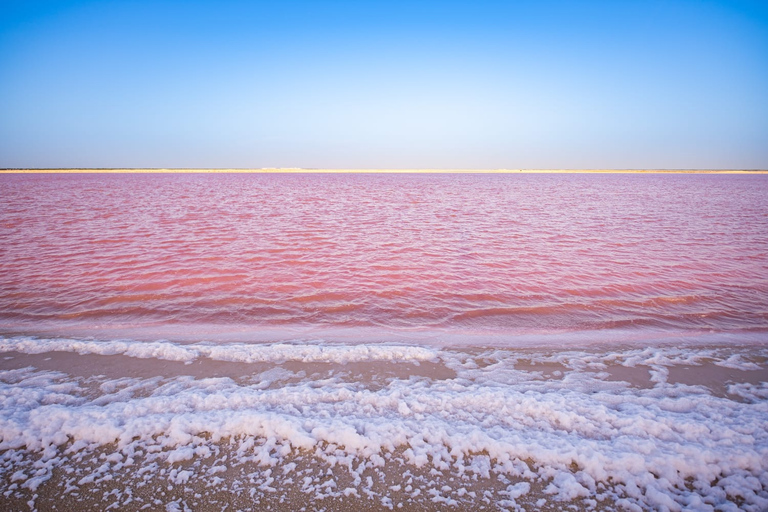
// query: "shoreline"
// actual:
[[171, 426], [433, 337]]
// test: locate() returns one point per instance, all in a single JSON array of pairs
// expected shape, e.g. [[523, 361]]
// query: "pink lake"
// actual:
[[474, 255]]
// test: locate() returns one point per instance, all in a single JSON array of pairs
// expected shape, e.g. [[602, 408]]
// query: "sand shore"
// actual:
[[181, 468]]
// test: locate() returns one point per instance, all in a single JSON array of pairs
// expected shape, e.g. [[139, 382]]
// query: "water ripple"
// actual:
[[488, 252]]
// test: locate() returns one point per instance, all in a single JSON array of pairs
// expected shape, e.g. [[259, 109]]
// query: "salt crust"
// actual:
[[240, 352], [579, 436]]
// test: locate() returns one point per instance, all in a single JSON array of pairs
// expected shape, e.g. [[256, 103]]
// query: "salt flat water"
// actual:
[[377, 341], [506, 254]]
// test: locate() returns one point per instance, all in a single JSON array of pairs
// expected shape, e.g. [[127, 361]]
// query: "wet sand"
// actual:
[[711, 376]]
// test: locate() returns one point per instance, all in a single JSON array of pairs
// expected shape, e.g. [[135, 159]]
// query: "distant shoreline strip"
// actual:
[[380, 171]]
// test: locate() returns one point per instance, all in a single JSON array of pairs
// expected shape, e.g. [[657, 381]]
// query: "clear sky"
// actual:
[[384, 84]]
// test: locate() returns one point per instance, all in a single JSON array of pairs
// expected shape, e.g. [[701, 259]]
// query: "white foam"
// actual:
[[664, 446], [233, 352]]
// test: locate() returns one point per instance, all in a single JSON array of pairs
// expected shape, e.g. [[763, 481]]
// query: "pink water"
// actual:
[[502, 254]]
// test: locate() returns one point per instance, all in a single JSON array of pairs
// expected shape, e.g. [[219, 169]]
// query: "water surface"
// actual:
[[491, 254]]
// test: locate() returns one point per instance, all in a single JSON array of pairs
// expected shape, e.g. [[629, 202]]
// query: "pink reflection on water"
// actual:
[[503, 253]]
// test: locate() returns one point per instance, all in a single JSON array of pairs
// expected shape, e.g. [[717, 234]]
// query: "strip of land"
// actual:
[[389, 171]]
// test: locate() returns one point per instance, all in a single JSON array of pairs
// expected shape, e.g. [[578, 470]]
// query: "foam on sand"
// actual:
[[640, 428]]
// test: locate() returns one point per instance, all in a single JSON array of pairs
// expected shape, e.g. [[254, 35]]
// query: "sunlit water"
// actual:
[[496, 342]]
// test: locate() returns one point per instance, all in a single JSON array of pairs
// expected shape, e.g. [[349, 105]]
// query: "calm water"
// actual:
[[472, 253]]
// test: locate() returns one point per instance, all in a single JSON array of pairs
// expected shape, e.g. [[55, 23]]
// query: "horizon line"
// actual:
[[298, 170]]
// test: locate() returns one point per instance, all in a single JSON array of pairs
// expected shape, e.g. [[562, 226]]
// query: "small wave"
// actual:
[[518, 310], [238, 352]]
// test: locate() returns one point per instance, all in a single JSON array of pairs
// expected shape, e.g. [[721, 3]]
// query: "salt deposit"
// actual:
[[509, 427]]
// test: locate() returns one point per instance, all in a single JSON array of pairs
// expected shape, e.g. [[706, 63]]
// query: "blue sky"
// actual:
[[390, 84]]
